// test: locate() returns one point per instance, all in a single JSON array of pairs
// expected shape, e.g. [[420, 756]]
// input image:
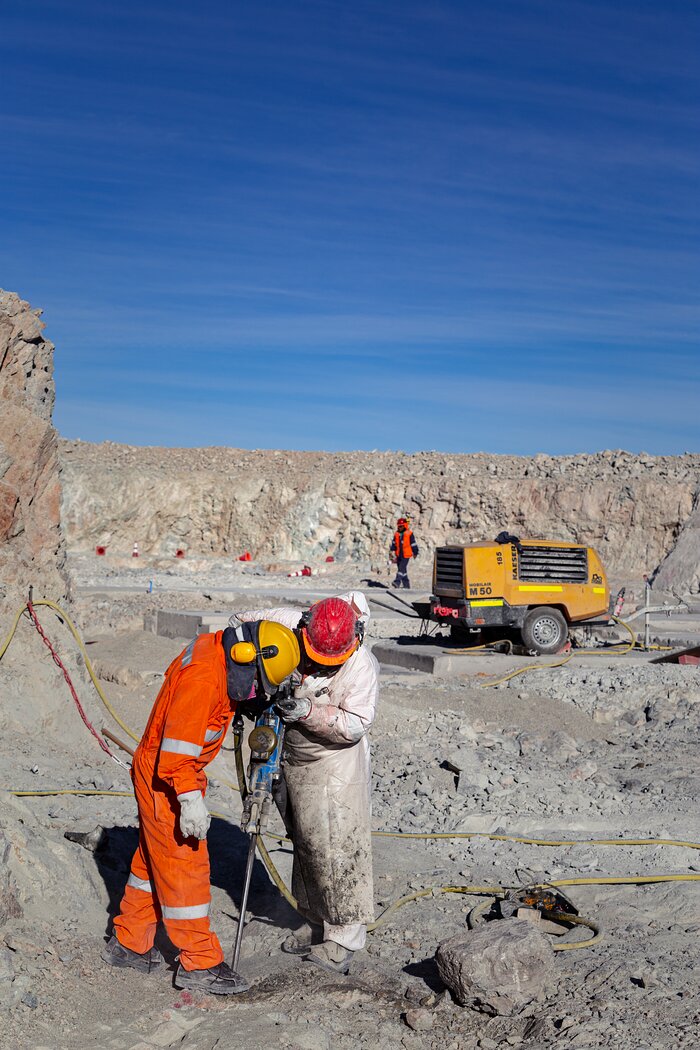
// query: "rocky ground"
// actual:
[[596, 750]]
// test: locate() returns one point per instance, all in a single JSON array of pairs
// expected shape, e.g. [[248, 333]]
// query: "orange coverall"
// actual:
[[169, 876]]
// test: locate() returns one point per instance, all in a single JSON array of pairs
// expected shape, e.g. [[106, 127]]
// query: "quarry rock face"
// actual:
[[31, 544], [307, 505], [680, 570]]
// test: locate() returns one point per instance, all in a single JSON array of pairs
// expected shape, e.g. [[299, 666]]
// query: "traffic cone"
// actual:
[[135, 551]]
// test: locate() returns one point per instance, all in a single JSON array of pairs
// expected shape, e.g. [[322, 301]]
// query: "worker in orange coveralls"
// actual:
[[169, 877]]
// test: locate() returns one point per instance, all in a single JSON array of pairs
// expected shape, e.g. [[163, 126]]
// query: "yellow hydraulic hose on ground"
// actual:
[[620, 650], [69, 791], [533, 842], [10, 636], [489, 891], [476, 916]]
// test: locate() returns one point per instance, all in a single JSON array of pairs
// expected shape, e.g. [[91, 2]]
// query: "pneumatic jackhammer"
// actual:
[[264, 771]]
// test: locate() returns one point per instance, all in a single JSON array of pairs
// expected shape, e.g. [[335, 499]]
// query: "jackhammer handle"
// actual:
[[117, 741]]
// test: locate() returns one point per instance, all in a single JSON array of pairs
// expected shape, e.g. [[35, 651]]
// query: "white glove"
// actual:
[[294, 708], [194, 815]]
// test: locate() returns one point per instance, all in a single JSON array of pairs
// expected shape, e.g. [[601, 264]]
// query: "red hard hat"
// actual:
[[330, 634]]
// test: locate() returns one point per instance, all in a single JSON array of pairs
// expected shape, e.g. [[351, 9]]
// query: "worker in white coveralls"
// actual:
[[327, 775]]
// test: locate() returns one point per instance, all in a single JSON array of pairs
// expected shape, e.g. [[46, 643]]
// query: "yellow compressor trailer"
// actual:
[[535, 587]]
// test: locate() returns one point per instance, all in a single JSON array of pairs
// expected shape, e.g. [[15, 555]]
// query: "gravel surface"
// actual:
[[600, 751]]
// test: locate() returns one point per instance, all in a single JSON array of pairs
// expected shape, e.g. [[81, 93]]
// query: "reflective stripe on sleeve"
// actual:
[[180, 747], [139, 884], [187, 655], [190, 911], [211, 735]]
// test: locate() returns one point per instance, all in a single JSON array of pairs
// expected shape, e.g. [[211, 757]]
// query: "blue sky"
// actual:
[[465, 226]]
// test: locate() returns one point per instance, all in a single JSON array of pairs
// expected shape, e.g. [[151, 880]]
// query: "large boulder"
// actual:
[[497, 968]]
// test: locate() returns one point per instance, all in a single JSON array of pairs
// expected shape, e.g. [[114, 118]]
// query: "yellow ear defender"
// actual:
[[243, 653]]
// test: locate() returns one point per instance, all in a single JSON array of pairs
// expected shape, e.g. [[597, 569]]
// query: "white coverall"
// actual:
[[328, 777]]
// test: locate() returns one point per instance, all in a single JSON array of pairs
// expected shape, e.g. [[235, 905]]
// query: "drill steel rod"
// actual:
[[244, 898]]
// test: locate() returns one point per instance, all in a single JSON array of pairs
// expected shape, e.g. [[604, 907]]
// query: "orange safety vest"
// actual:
[[402, 544]]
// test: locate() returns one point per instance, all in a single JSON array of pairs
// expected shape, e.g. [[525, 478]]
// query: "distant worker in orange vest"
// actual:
[[403, 547]]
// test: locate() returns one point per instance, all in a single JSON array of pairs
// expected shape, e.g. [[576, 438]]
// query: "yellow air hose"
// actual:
[[619, 650], [476, 916]]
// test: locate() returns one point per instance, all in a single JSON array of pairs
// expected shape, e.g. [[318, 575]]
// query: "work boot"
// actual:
[[217, 980], [330, 956], [302, 940], [116, 954]]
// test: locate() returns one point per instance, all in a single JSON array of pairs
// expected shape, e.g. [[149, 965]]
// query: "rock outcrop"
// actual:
[[679, 572], [306, 505], [31, 544]]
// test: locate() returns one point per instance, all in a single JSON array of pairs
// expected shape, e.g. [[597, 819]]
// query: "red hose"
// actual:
[[58, 662]]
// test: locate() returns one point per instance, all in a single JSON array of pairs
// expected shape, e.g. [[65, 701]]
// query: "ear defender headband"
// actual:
[[262, 650]]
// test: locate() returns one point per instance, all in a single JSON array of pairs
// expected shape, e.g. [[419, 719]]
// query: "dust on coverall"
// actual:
[[169, 876], [328, 778]]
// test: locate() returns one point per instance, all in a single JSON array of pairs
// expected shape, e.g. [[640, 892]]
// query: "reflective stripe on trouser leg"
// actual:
[[135, 926], [179, 875], [401, 572]]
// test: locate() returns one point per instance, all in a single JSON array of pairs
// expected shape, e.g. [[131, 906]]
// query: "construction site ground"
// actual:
[[601, 748]]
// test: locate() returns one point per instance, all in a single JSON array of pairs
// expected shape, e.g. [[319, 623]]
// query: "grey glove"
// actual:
[[293, 708]]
